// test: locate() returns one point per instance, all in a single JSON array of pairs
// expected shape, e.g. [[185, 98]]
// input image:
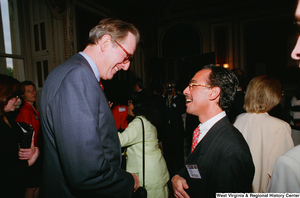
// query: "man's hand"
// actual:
[[179, 184], [136, 182]]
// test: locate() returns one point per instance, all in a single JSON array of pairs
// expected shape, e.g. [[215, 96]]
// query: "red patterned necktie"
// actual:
[[196, 135]]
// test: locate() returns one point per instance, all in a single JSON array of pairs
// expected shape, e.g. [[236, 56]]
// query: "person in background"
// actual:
[[156, 172], [29, 114], [239, 99], [268, 137], [295, 116], [172, 128], [14, 161], [81, 147], [119, 107], [286, 177], [138, 87], [220, 159], [119, 111]]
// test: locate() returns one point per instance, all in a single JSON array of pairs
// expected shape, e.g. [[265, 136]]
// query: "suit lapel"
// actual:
[[204, 144]]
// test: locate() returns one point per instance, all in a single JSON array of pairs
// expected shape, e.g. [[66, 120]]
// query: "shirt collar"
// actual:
[[92, 64], [204, 128]]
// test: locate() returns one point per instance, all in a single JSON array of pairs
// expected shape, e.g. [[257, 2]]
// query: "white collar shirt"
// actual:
[[205, 127]]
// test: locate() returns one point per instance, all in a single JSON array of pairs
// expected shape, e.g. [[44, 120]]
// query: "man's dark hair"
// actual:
[[227, 82]]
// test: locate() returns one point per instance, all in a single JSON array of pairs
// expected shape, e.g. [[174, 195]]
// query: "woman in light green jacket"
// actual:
[[156, 172]]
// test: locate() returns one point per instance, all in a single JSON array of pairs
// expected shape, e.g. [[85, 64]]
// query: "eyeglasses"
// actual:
[[129, 102], [128, 57], [192, 85]]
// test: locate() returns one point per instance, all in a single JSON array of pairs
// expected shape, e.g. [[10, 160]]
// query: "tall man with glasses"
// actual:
[[82, 153], [220, 159]]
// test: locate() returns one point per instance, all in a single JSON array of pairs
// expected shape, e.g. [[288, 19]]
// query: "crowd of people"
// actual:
[[79, 135]]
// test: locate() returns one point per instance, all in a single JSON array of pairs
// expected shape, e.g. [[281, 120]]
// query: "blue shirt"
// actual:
[[92, 64]]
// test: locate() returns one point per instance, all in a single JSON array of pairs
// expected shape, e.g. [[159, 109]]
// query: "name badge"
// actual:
[[122, 109], [193, 171]]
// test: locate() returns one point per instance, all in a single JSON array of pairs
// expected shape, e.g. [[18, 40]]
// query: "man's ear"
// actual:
[[104, 42], [214, 93]]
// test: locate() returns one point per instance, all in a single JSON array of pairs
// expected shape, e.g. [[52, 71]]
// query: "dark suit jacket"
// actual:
[[81, 144], [224, 162]]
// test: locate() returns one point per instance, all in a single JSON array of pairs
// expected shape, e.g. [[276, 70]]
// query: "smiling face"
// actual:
[[115, 56], [197, 99]]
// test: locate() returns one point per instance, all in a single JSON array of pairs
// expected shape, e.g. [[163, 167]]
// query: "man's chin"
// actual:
[[188, 109], [113, 72], [109, 77]]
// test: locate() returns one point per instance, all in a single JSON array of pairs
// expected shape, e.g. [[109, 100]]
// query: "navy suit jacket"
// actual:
[[224, 162], [82, 150]]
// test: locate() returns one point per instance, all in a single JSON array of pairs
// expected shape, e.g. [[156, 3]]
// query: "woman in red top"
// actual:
[[30, 115], [120, 114], [28, 112]]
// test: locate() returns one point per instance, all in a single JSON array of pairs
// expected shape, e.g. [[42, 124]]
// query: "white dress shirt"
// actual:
[[204, 128]]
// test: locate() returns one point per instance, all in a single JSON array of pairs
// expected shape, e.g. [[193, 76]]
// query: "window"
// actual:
[[11, 59]]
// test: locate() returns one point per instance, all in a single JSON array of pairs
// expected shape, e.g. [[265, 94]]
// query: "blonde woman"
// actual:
[[268, 137]]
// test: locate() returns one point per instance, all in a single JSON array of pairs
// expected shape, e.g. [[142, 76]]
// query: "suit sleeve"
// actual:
[[285, 177], [86, 138], [237, 173]]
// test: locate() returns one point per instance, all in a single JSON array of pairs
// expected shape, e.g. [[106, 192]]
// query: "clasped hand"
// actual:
[[29, 154]]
